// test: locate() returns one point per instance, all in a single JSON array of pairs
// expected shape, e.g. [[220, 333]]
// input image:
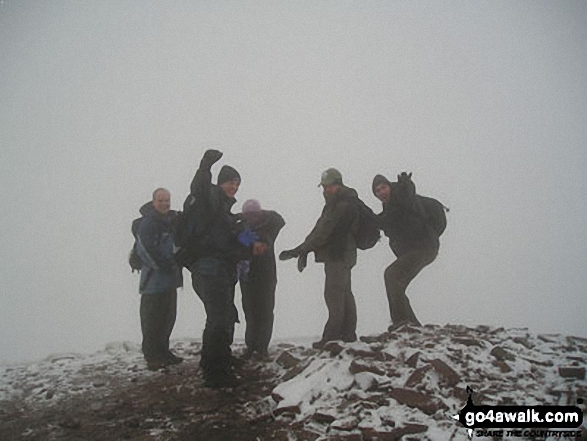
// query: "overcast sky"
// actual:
[[103, 101]]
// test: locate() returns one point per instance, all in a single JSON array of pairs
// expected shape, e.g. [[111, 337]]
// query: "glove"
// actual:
[[302, 262], [407, 186], [247, 237], [210, 158], [290, 254]]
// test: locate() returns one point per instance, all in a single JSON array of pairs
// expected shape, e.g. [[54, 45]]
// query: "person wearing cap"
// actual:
[[333, 242], [259, 280], [411, 240], [216, 246]]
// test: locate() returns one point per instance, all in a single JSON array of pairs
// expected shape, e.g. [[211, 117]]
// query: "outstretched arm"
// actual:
[[203, 179]]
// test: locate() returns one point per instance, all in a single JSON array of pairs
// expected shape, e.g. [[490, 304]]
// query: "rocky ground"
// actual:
[[406, 384]]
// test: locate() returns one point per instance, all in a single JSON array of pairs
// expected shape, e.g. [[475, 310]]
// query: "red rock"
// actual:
[[357, 367], [413, 360], [450, 376], [572, 372], [417, 376], [427, 404]]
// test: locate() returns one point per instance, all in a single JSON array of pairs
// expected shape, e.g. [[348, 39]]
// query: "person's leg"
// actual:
[[334, 295], [349, 325], [398, 276], [216, 289], [154, 328], [266, 316]]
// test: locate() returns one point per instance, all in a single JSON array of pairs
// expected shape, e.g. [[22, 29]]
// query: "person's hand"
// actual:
[[260, 248], [404, 177], [406, 185], [289, 254], [210, 158], [302, 262]]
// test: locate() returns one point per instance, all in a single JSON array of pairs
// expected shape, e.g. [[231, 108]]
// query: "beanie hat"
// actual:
[[331, 176], [378, 180], [227, 173], [251, 206]]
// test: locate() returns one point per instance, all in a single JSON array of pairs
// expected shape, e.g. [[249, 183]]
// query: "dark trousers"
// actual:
[[342, 310], [214, 282], [258, 304], [398, 276], [158, 313]]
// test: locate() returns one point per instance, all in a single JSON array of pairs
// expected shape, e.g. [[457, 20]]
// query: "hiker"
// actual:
[[160, 278], [412, 240], [333, 242], [217, 244], [258, 280]]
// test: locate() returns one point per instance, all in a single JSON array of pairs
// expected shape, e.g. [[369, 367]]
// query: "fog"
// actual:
[[102, 102]]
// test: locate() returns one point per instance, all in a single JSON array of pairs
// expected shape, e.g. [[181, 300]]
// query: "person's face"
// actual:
[[162, 201], [230, 187], [330, 189], [383, 192]]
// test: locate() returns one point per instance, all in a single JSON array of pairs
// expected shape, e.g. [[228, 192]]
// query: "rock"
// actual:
[[427, 404], [417, 376], [449, 375], [334, 347], [323, 417], [468, 342], [572, 372], [502, 355], [357, 367], [295, 371], [412, 361], [287, 409], [524, 342], [504, 368], [362, 353], [347, 424], [287, 360], [61, 357], [546, 363]]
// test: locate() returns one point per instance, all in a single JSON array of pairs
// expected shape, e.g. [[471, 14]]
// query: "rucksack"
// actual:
[[184, 230], [368, 233], [133, 257], [435, 213]]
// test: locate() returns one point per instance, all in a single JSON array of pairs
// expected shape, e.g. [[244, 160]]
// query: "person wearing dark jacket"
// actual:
[[258, 280], [411, 239], [333, 242], [160, 278], [216, 246]]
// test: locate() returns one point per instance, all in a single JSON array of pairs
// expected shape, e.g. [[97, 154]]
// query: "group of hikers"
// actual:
[[221, 249]]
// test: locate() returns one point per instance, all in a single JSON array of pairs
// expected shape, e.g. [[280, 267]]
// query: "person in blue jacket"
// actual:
[[160, 278]]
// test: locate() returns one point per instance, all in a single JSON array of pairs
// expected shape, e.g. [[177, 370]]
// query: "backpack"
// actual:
[[133, 257], [184, 229], [368, 233], [435, 213]]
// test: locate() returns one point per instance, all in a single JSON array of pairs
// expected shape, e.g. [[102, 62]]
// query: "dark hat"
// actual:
[[227, 173], [378, 180]]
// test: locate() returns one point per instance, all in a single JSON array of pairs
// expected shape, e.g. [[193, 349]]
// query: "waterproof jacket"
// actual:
[[333, 237], [403, 221], [159, 271], [267, 225], [216, 228]]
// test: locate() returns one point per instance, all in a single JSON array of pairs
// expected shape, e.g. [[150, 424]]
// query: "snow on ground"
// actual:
[[409, 382], [413, 380]]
